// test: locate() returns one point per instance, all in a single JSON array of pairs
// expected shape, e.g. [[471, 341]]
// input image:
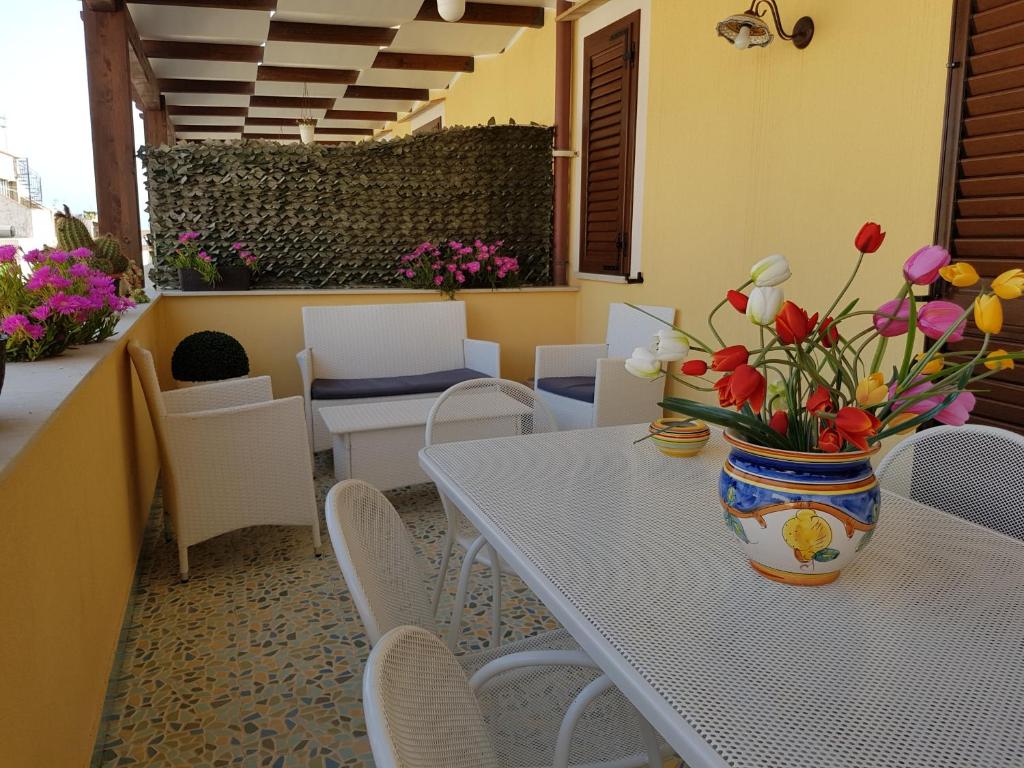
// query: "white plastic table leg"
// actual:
[[342, 457], [460, 595]]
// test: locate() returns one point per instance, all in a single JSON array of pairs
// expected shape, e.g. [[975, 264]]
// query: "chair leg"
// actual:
[[183, 561], [460, 595], [495, 598], [318, 548], [168, 533]]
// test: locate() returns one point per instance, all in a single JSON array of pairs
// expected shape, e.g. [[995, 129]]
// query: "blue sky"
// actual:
[[44, 97]]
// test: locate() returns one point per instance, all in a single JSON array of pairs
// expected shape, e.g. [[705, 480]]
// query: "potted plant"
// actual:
[[59, 302], [451, 266], [3, 359], [196, 270], [237, 271], [806, 406], [208, 356]]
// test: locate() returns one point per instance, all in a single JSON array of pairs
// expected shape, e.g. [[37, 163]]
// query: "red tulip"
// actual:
[[695, 368], [870, 238], [738, 301], [744, 385], [828, 334], [820, 400], [856, 426], [793, 325], [779, 422], [829, 441], [728, 358]]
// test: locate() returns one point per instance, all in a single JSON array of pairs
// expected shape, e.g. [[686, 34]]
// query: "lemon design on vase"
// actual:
[[809, 535]]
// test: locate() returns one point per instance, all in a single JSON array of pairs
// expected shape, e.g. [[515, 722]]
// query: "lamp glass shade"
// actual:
[[306, 131], [745, 30], [451, 10]]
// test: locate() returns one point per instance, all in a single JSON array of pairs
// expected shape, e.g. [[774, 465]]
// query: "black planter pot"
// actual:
[[3, 359], [234, 278], [191, 280]]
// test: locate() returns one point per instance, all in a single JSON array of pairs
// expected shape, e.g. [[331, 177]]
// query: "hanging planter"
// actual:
[[307, 129]]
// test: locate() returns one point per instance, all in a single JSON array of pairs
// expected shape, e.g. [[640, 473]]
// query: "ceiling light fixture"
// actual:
[[451, 10], [749, 28]]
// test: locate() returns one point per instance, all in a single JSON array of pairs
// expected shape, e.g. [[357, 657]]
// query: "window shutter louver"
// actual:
[[981, 199], [609, 127]]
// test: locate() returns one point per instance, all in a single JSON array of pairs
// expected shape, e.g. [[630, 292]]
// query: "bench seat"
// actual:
[[391, 386]]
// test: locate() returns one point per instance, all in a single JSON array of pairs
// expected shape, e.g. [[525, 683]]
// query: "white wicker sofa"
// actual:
[[380, 352]]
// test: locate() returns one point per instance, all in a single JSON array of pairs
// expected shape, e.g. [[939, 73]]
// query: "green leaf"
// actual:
[[826, 554]]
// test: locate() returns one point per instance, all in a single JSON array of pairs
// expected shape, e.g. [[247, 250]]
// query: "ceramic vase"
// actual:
[[800, 517]]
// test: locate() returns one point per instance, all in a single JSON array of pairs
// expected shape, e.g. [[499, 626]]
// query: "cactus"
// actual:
[[108, 250], [72, 232]]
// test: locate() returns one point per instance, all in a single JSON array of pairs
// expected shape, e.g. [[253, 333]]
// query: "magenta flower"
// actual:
[[8, 253], [81, 254], [438, 280], [80, 269], [892, 318], [237, 246], [936, 317], [41, 312], [185, 237], [33, 256], [11, 324], [922, 268], [955, 414], [58, 257], [410, 273], [204, 256], [35, 332], [460, 278], [452, 267]]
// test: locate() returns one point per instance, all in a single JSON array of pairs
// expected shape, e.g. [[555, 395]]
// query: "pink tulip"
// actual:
[[955, 414], [922, 268], [936, 317], [892, 318]]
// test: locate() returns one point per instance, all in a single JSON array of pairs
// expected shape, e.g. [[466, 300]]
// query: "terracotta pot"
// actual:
[[800, 517]]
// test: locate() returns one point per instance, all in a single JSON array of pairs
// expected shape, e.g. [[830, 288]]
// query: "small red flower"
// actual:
[[870, 238], [728, 358], [793, 325], [779, 422], [695, 368], [744, 385], [828, 334], [856, 426], [820, 400], [738, 300], [829, 441]]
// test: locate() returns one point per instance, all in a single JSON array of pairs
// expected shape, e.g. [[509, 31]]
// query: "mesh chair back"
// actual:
[[971, 471], [378, 559], [420, 711], [483, 408], [628, 328]]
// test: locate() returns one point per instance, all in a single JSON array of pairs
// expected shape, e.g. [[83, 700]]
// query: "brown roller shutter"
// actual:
[[609, 141], [981, 198]]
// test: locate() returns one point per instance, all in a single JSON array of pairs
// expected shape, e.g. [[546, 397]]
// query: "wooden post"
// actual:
[[563, 141], [113, 142], [154, 122]]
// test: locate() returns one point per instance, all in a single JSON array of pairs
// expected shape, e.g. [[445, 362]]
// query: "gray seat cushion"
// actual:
[[576, 387], [390, 386]]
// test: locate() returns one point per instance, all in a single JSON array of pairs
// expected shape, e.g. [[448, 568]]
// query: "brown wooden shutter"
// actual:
[[981, 199], [609, 142]]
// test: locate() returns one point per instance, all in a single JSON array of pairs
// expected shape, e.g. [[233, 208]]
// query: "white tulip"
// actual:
[[671, 346], [764, 304], [771, 270], [643, 364]]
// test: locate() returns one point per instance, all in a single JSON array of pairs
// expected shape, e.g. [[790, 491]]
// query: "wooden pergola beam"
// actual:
[[485, 13], [181, 85], [333, 34], [102, 5], [380, 92], [185, 109], [169, 49], [145, 89], [431, 62], [359, 114], [208, 128], [290, 121], [307, 75], [232, 5], [290, 102]]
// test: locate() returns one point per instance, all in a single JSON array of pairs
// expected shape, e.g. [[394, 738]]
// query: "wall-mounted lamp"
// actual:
[[451, 10], [749, 28]]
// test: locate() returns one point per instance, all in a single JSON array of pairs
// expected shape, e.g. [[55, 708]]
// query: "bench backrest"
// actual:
[[374, 340]]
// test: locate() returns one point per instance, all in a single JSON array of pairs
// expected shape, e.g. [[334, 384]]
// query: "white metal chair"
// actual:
[[540, 701], [586, 385], [475, 410], [973, 471], [231, 456], [380, 352]]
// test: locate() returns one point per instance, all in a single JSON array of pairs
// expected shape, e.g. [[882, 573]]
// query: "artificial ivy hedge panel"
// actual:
[[342, 216]]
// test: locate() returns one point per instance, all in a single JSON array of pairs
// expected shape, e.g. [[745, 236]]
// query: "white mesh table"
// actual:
[[378, 442], [914, 657]]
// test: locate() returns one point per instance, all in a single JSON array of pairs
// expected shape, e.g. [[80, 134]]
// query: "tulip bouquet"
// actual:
[[450, 266], [814, 383], [59, 302]]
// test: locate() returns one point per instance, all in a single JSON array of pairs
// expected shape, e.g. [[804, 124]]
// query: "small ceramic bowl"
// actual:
[[679, 437]]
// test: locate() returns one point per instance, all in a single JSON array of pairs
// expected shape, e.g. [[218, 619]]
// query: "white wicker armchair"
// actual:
[[379, 352], [541, 700], [231, 457], [586, 385]]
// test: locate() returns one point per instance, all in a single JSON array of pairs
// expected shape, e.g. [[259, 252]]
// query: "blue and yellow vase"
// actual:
[[800, 517]]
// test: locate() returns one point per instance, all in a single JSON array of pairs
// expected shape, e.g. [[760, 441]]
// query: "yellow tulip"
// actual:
[[934, 365], [999, 365], [872, 390], [895, 421], [1010, 284], [961, 274], [988, 313]]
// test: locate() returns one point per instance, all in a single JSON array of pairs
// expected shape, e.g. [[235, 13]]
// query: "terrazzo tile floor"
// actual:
[[257, 660]]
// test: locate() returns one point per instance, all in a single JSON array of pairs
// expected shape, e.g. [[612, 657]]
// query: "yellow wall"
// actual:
[[73, 507], [270, 325]]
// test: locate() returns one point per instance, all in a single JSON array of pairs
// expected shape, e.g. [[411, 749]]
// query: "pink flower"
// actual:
[[185, 237], [204, 256], [81, 254], [410, 273], [936, 317], [237, 246], [460, 278], [33, 256], [58, 257], [438, 280], [8, 253], [452, 267], [922, 268], [41, 312], [35, 332], [79, 269], [958, 412], [473, 267], [892, 318], [955, 414], [11, 324]]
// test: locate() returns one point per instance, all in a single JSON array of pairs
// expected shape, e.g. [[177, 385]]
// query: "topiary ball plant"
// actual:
[[209, 356]]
